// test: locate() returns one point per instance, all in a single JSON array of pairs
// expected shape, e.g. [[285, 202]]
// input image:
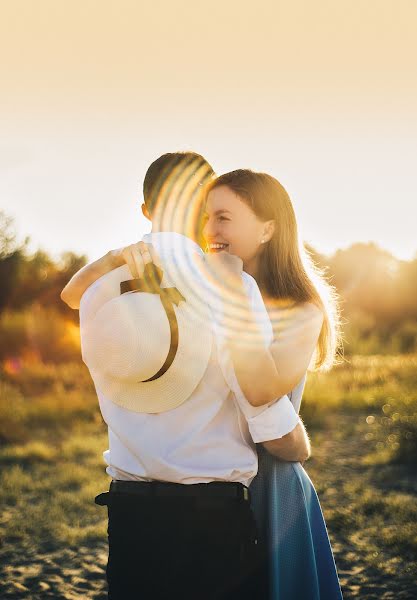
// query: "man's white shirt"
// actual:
[[210, 437]]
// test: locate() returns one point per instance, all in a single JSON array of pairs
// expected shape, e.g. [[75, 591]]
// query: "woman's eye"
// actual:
[[223, 219]]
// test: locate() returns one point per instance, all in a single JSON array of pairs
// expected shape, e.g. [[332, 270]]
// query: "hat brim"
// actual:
[[177, 384]]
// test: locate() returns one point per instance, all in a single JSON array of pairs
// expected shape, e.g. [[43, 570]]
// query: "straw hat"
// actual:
[[148, 348]]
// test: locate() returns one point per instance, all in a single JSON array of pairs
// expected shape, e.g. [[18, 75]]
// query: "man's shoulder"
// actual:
[[248, 279], [251, 287]]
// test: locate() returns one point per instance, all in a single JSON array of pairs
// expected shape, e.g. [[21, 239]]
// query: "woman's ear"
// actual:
[[145, 212], [269, 228]]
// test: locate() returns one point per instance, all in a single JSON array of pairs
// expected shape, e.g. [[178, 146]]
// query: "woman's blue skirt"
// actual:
[[299, 560]]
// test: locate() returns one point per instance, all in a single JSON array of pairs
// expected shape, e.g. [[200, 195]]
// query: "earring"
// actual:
[[262, 241]]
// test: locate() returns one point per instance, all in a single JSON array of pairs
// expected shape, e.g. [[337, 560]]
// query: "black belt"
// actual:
[[219, 489]]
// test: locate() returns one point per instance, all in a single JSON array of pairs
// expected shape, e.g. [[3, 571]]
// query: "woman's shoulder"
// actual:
[[287, 314], [283, 305]]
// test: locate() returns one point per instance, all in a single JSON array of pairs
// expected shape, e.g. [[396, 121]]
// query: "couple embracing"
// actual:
[[198, 340]]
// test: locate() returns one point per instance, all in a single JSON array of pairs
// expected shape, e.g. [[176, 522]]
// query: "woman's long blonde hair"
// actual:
[[287, 270]]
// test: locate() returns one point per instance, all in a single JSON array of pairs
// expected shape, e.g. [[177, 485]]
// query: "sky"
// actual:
[[322, 95]]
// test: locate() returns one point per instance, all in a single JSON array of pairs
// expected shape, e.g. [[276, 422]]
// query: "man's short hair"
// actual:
[[189, 169]]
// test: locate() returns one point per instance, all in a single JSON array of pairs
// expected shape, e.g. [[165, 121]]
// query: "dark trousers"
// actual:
[[186, 548]]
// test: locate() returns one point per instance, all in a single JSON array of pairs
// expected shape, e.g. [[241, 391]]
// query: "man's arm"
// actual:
[[278, 428], [294, 446]]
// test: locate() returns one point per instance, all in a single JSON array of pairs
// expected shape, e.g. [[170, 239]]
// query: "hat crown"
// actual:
[[129, 337]]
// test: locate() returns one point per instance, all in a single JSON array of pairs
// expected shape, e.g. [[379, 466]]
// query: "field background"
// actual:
[[361, 417]]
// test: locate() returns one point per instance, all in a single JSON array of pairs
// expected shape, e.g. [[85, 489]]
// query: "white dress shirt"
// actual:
[[210, 437]]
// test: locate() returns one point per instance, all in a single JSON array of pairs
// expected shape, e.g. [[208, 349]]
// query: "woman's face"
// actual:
[[230, 222]]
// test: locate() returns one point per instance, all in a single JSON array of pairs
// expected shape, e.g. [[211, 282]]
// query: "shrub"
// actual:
[[12, 415], [38, 333]]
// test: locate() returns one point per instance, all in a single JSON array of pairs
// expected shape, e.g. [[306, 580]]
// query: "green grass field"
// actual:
[[362, 420]]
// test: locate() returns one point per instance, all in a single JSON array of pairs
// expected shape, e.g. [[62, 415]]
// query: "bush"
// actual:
[[38, 333], [12, 415], [13, 334]]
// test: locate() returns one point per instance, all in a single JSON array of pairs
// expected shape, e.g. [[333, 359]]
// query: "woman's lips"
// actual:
[[218, 248]]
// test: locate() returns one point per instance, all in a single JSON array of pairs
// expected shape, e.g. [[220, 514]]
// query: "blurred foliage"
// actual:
[[34, 323], [44, 401], [378, 298]]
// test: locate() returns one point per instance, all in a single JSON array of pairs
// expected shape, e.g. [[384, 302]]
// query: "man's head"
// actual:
[[173, 192]]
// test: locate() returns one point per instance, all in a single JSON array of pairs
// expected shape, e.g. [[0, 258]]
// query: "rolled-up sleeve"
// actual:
[[268, 422], [274, 422]]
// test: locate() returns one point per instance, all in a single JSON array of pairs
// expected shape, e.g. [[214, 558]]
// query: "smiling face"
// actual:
[[231, 225]]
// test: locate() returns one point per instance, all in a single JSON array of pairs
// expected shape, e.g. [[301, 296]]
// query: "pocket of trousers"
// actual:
[[102, 499]]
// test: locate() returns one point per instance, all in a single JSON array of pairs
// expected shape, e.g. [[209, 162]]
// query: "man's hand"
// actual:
[[136, 256]]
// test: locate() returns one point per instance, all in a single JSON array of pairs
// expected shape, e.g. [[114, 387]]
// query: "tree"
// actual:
[[11, 258]]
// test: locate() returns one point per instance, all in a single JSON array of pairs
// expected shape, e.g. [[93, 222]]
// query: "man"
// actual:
[[180, 523]]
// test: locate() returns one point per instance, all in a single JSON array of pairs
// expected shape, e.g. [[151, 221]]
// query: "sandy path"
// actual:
[[336, 461], [61, 574], [49, 571]]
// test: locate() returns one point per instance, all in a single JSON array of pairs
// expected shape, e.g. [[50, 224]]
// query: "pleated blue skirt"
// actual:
[[299, 562]]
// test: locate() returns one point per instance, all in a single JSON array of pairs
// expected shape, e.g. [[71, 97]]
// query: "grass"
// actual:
[[384, 389], [362, 419]]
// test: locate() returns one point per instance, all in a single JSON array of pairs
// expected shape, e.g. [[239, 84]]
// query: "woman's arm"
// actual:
[[268, 373], [263, 373], [77, 285], [134, 255]]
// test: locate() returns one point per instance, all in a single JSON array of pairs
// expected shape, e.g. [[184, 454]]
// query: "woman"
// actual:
[[260, 227], [249, 215]]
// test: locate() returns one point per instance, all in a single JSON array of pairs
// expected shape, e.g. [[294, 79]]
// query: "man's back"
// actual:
[[204, 439]]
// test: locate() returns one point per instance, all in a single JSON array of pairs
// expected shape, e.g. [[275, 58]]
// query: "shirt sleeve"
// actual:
[[268, 422], [274, 421]]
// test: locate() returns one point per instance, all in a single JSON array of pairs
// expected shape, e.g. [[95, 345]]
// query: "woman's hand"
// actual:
[[136, 256]]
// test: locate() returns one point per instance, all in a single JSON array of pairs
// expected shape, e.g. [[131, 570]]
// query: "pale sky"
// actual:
[[321, 94]]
